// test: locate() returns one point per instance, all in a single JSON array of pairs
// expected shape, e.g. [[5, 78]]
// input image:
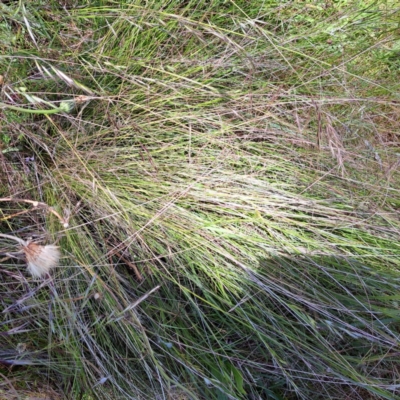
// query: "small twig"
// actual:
[[14, 215], [37, 204], [16, 239], [136, 303]]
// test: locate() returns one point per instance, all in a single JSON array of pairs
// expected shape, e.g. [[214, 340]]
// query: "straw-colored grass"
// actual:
[[225, 191]]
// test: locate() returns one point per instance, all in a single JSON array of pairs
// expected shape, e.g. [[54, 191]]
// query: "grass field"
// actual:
[[222, 180]]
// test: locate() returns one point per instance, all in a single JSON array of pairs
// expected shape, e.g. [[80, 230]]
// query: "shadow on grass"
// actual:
[[294, 327]]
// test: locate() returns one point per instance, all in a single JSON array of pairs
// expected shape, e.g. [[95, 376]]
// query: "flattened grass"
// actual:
[[231, 183]]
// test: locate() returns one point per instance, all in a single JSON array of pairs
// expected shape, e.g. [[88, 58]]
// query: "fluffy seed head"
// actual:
[[40, 259]]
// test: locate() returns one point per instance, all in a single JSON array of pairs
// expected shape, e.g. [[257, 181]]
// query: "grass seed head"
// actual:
[[41, 259]]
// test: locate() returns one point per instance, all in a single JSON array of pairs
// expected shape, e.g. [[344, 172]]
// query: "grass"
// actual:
[[229, 173]]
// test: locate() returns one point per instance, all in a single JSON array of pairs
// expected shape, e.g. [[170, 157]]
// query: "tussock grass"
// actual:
[[229, 173]]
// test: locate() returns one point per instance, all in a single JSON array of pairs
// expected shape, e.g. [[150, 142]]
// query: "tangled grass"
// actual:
[[229, 176]]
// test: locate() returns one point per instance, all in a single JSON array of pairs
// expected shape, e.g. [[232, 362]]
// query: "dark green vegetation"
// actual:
[[230, 173]]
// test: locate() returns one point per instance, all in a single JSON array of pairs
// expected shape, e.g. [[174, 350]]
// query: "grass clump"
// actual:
[[226, 178]]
